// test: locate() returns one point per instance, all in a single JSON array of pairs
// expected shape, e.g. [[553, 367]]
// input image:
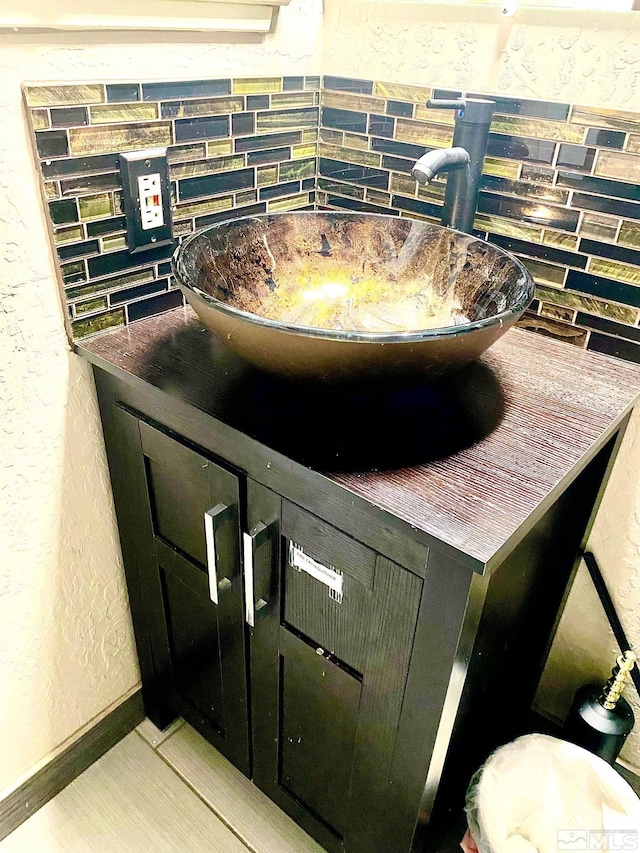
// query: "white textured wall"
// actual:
[[579, 57], [66, 648]]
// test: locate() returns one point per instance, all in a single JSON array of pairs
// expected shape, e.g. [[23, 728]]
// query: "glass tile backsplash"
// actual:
[[561, 185]]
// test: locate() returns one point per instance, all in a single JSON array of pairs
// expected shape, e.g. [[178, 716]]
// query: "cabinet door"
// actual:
[[194, 604], [330, 651]]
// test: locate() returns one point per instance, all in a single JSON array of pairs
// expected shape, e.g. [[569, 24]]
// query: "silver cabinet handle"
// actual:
[[251, 541], [213, 519]]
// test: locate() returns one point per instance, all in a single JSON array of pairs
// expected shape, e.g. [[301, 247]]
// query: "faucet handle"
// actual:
[[446, 104]]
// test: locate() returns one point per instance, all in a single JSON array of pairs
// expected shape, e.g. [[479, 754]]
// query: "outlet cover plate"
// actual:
[[134, 165]]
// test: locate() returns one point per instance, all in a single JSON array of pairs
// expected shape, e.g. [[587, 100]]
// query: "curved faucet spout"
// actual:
[[441, 160]]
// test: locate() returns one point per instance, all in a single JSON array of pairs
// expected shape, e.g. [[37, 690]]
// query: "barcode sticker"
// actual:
[[329, 577]]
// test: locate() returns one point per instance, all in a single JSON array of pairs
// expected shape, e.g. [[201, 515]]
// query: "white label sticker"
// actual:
[[329, 577]]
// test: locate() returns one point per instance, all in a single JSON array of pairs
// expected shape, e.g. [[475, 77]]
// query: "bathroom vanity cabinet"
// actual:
[[351, 595]]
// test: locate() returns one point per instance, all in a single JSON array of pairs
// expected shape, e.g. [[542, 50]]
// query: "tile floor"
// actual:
[[160, 792]]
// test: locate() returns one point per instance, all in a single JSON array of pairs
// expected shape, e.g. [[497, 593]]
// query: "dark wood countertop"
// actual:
[[471, 460]]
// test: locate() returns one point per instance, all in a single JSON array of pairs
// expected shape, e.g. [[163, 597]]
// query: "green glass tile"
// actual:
[[71, 234], [377, 197], [545, 273], [112, 113], [508, 227], [423, 113], [80, 184], [401, 92], [501, 168], [246, 197], [73, 271], [403, 185], [268, 175], [51, 96], [424, 134], [310, 135], [349, 101], [524, 189], [100, 140], [219, 147], [553, 329], [117, 241], [567, 315], [363, 158], [305, 150], [537, 128], [633, 144], [206, 167], [52, 189], [613, 164], [331, 137], [537, 173], [205, 107], [137, 277], [255, 85], [297, 169], [294, 99], [560, 240], [406, 215], [82, 328], [183, 153], [117, 203], [352, 140], [614, 269], [198, 208], [40, 119], [182, 228], [321, 199], [600, 117], [289, 203], [432, 192], [598, 227], [98, 304], [95, 206], [331, 186], [589, 304], [268, 122], [630, 234]]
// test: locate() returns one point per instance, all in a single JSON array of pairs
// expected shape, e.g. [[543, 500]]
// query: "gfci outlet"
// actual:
[[146, 198]]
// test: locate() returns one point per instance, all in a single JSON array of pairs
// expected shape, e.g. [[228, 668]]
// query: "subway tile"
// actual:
[[200, 208], [613, 269], [274, 120], [434, 116], [271, 155], [413, 205], [81, 166], [271, 140], [560, 240], [354, 140], [257, 102], [113, 113], [381, 125], [102, 139], [267, 175], [236, 213], [537, 128], [604, 288], [355, 122], [123, 92], [310, 134], [613, 206], [331, 137], [78, 250], [525, 107], [598, 227], [96, 206], [362, 175], [553, 328], [508, 227], [348, 101], [605, 138], [69, 234], [301, 152], [219, 147], [73, 272], [98, 304], [246, 197], [185, 89], [399, 109], [279, 190], [630, 234], [223, 182], [331, 186], [505, 168], [201, 107], [64, 211], [347, 84], [519, 148], [50, 96], [609, 327], [207, 167], [601, 117], [290, 99], [335, 152], [534, 172], [297, 169], [538, 213], [154, 305], [257, 85], [203, 127], [82, 184], [114, 262], [402, 92], [312, 81], [106, 226], [613, 164], [292, 83], [589, 304], [361, 206], [541, 192], [192, 151], [69, 116], [52, 143], [40, 119], [614, 253], [576, 157], [616, 347], [97, 323], [114, 242], [538, 250], [426, 134], [545, 273]]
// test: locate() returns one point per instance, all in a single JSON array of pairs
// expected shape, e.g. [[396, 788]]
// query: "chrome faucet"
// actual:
[[463, 162]]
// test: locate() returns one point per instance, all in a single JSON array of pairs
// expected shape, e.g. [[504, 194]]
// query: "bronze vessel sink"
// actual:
[[350, 296]]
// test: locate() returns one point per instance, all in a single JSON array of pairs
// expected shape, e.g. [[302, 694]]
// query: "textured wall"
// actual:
[[66, 649], [588, 58]]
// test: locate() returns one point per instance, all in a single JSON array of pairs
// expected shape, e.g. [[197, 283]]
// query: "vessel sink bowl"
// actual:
[[350, 296]]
